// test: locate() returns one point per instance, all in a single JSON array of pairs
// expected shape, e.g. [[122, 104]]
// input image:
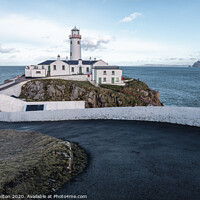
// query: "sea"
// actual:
[[177, 86]]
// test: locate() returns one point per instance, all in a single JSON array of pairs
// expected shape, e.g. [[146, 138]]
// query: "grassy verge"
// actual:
[[33, 163]]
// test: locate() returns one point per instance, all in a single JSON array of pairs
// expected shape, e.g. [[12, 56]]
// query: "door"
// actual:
[[113, 80], [99, 80], [80, 70], [48, 72]]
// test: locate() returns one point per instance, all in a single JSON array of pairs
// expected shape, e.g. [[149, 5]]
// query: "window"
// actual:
[[72, 69], [42, 67], [117, 79], [63, 67], [70, 53], [104, 72], [78, 42], [87, 69], [71, 42], [104, 79], [113, 72], [38, 72], [54, 67]]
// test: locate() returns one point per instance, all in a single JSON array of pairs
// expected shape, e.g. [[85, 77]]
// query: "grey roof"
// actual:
[[70, 62], [47, 62], [106, 67], [89, 62]]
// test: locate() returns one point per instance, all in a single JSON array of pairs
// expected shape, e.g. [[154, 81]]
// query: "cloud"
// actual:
[[131, 17], [28, 30], [8, 50], [95, 43]]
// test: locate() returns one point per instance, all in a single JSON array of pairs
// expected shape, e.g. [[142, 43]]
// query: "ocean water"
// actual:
[[7, 72], [177, 86]]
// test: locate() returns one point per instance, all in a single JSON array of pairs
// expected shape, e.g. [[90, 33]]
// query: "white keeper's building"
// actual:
[[98, 71]]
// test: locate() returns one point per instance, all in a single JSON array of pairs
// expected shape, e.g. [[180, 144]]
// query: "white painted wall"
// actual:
[[75, 48], [99, 73], [39, 73], [83, 77], [177, 115], [59, 71], [10, 104], [100, 63], [30, 71]]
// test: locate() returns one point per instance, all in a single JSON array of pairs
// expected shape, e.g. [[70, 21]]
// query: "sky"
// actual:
[[121, 32]]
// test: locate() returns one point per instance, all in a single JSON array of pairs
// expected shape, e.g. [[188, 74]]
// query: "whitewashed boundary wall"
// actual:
[[10, 104], [177, 115], [70, 77]]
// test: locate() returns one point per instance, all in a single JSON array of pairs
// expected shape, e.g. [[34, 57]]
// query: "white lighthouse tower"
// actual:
[[75, 44]]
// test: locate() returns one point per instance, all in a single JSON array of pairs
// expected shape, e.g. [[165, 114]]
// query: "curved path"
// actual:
[[129, 159]]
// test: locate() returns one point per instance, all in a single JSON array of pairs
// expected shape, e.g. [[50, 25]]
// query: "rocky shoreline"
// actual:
[[32, 163]]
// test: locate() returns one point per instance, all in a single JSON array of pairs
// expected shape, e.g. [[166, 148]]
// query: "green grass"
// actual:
[[112, 87]]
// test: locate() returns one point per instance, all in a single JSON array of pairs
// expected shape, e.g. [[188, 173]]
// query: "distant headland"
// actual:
[[196, 64]]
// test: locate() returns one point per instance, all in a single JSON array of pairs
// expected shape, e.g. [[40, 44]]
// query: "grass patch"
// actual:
[[33, 163]]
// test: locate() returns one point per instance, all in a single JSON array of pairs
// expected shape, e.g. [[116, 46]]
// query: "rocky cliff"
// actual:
[[135, 93]]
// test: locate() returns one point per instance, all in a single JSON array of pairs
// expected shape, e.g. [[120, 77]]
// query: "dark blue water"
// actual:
[[10, 72], [178, 86]]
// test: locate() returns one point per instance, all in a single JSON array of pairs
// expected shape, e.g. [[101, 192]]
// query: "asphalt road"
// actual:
[[130, 160]]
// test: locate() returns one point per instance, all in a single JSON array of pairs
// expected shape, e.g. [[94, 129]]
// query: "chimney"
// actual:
[[58, 57], [90, 58], [94, 58], [66, 58]]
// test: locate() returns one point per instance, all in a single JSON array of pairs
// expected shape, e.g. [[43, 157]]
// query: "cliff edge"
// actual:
[[135, 93]]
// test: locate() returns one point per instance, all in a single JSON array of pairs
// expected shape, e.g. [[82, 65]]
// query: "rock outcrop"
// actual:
[[196, 64], [135, 93]]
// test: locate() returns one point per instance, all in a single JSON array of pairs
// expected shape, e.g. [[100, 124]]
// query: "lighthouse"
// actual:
[[75, 44]]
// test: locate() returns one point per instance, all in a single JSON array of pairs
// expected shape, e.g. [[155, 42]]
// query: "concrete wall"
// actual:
[[177, 115], [10, 104]]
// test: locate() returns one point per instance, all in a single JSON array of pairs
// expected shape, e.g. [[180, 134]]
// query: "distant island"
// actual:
[[196, 64]]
